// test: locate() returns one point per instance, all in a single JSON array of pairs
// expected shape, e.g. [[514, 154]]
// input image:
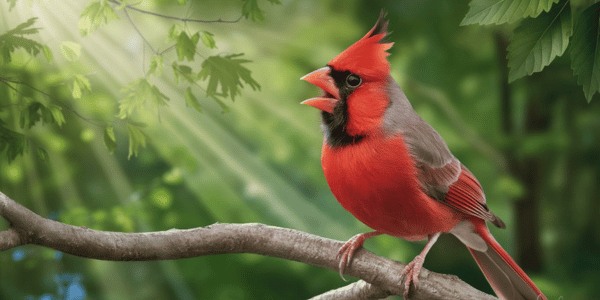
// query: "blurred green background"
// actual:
[[533, 144]]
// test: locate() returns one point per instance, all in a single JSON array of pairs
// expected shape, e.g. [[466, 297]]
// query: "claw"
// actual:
[[346, 252], [411, 274], [341, 267]]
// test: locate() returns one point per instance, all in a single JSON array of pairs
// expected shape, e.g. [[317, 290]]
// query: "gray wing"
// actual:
[[441, 175], [438, 168]]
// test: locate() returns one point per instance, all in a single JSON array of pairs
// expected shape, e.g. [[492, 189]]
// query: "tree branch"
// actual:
[[381, 276]]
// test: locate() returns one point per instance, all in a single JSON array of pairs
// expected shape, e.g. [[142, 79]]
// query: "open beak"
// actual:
[[331, 95]]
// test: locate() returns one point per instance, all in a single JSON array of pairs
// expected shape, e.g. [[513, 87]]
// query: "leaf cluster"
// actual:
[[545, 31], [225, 75], [95, 15], [30, 110], [219, 76], [251, 10], [15, 38]]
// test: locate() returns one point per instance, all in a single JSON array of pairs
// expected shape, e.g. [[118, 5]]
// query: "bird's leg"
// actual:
[[347, 251], [412, 270]]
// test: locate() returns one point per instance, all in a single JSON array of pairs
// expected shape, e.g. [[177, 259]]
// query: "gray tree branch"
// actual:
[[381, 277]]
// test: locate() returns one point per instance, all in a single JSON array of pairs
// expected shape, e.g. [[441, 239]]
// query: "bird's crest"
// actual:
[[368, 56]]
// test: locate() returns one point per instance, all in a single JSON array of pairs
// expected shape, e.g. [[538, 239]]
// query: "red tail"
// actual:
[[507, 279]]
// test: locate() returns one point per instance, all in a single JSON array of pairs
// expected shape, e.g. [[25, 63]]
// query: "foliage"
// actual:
[[137, 94], [543, 34], [585, 55], [95, 15], [528, 52], [11, 143], [15, 39], [251, 10], [225, 74], [485, 12]]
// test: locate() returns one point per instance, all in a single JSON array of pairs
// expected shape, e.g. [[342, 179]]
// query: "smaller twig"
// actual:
[[139, 32], [185, 20], [8, 82], [167, 49]]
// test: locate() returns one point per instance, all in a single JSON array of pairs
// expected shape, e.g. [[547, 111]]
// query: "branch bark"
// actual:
[[380, 276]]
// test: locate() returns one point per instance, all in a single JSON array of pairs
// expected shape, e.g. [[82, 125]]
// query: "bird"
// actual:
[[392, 170]]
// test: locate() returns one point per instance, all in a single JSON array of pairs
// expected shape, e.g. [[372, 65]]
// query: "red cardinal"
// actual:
[[394, 172]]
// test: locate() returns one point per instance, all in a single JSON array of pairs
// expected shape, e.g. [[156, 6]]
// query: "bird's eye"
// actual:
[[353, 80]]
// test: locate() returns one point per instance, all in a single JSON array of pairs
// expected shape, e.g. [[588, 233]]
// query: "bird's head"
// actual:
[[354, 85]]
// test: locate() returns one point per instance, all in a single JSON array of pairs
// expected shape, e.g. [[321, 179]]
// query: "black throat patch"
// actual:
[[336, 122]]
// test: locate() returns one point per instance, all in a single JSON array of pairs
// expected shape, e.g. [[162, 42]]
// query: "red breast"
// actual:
[[375, 180]]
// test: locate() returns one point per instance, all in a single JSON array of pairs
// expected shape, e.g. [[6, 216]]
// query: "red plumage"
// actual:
[[371, 53], [393, 202], [393, 171]]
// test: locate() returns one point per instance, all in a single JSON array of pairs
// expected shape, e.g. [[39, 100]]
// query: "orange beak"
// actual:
[[331, 96]]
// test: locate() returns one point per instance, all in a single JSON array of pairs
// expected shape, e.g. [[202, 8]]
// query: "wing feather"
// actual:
[[441, 175]]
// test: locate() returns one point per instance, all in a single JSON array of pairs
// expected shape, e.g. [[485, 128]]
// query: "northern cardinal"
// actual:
[[394, 172]]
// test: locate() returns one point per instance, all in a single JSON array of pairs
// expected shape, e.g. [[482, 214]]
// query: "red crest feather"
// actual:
[[368, 56]]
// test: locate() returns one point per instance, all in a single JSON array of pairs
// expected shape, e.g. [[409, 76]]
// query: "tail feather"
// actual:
[[507, 279]]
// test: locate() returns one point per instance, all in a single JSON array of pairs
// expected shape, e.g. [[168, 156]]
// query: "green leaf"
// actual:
[[208, 40], [182, 2], [137, 139], [226, 75], [57, 115], [186, 46], [47, 53], [23, 28], [538, 41], [156, 65], [76, 90], [36, 111], [251, 10], [70, 50], [13, 39], [175, 30], [485, 12], [585, 51], [137, 94], [12, 143], [110, 140], [42, 154], [191, 100], [81, 85], [96, 14], [31, 115], [183, 71], [9, 44]]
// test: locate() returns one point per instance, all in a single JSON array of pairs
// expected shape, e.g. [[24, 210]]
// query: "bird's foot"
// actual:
[[347, 250], [411, 274]]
